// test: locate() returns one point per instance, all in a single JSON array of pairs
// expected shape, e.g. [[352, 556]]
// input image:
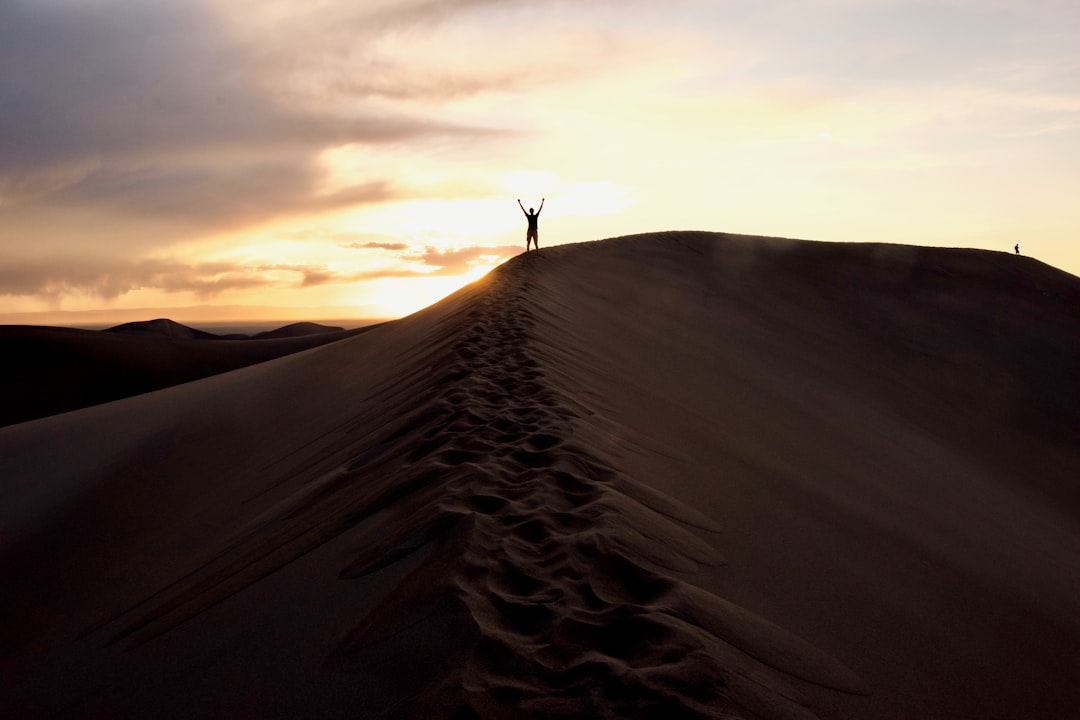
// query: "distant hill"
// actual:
[[162, 327], [299, 329], [49, 370]]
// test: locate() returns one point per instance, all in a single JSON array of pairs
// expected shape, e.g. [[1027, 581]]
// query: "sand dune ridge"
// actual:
[[556, 567], [510, 503]]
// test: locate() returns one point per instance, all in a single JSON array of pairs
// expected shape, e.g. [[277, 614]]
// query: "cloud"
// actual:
[[129, 126], [448, 261], [108, 279], [154, 110], [458, 260], [375, 246], [426, 262]]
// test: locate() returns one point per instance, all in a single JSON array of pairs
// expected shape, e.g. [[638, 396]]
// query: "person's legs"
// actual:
[[530, 237]]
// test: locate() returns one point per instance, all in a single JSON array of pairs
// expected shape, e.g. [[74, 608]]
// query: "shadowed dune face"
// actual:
[[889, 435], [47, 370], [679, 475], [161, 327]]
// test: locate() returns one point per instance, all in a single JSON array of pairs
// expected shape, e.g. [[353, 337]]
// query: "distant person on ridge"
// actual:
[[1016, 247], [532, 234]]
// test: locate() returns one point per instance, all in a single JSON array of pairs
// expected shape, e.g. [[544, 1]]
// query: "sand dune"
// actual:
[[161, 327], [300, 329], [50, 370], [677, 475]]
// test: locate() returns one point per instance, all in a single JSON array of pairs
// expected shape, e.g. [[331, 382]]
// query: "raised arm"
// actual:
[[523, 207], [541, 206]]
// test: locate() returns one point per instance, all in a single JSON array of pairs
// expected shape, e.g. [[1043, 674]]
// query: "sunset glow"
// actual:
[[366, 158]]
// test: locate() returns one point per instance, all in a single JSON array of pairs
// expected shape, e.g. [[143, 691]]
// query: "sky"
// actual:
[[304, 159]]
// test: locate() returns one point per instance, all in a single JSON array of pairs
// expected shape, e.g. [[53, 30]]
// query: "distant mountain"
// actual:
[[299, 329], [162, 327]]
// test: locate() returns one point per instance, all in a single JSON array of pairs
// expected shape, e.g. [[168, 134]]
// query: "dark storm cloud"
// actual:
[[151, 108]]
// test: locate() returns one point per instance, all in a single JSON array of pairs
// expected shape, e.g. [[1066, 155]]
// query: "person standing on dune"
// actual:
[[532, 234]]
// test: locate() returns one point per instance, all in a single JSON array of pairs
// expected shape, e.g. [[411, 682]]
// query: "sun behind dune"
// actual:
[[399, 297]]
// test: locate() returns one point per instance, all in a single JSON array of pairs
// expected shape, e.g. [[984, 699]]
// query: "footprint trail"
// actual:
[[546, 585]]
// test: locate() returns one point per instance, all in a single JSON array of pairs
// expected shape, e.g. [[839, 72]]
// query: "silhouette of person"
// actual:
[[532, 234], [1016, 247]]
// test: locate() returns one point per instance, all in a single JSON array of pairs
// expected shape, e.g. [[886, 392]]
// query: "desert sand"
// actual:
[[680, 475], [49, 370]]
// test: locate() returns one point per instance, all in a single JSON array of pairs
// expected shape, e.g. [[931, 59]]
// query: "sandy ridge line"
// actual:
[[550, 568], [559, 562]]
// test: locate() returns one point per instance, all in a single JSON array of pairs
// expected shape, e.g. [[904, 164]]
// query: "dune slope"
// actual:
[[49, 370], [678, 475]]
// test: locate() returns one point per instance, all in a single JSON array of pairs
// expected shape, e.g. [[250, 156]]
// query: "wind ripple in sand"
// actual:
[[546, 588]]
